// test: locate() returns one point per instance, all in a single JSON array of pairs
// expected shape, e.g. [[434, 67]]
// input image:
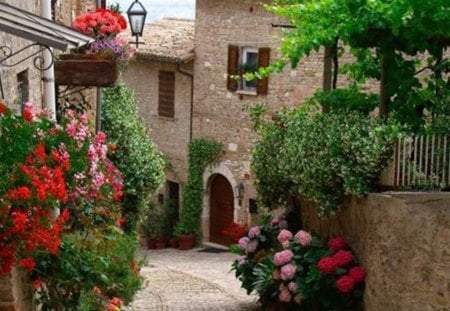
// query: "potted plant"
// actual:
[[97, 63], [150, 227], [185, 230]]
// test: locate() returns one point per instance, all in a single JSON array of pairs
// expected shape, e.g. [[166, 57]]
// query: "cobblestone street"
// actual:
[[191, 280]]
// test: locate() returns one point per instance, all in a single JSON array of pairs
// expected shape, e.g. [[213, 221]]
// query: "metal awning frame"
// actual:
[[44, 33]]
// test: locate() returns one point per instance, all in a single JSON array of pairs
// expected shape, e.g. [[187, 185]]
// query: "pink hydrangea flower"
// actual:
[[288, 272], [284, 295], [254, 232], [276, 275], [243, 242], [284, 235], [274, 222], [303, 238], [293, 287], [251, 247], [283, 257]]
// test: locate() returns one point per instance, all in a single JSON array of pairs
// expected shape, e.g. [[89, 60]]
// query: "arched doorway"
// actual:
[[221, 202]]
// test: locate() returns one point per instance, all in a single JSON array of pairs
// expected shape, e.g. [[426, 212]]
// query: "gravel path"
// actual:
[[191, 280]]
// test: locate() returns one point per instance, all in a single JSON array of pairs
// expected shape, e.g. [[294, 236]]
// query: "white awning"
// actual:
[[40, 30]]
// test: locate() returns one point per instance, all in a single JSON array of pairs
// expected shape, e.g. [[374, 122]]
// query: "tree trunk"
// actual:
[[327, 73]]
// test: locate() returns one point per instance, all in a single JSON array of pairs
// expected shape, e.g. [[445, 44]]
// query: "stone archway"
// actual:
[[221, 202]]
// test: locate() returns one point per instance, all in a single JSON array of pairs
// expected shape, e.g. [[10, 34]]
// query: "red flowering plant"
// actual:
[[105, 25], [46, 169], [301, 272], [234, 232]]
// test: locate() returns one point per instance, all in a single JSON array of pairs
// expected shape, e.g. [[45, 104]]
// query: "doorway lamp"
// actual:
[[239, 190], [136, 17]]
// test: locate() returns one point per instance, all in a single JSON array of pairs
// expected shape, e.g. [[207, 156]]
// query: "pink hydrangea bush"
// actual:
[[300, 266]]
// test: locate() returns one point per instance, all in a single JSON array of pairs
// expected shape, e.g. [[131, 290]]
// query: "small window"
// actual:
[[23, 87], [242, 60], [166, 102]]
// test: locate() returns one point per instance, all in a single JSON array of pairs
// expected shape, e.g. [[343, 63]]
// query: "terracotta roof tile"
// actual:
[[167, 40]]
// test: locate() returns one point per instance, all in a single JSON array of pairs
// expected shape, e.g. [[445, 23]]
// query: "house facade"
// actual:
[[21, 81], [229, 37], [161, 75], [232, 37]]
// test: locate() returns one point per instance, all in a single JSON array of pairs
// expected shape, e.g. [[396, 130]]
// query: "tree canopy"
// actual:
[[401, 43]]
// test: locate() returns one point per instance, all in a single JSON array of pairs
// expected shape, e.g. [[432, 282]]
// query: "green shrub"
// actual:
[[141, 164], [323, 157]]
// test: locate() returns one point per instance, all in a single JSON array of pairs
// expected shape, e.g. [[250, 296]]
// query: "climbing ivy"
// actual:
[[202, 152]]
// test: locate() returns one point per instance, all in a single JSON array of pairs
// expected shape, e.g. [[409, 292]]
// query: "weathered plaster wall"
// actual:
[[402, 240], [170, 135]]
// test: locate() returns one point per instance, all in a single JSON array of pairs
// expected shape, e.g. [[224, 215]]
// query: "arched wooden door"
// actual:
[[221, 209]]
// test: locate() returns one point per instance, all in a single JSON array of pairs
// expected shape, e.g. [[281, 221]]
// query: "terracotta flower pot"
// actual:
[[186, 241], [160, 244], [173, 243]]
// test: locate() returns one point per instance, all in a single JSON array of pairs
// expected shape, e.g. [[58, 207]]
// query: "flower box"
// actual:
[[85, 70]]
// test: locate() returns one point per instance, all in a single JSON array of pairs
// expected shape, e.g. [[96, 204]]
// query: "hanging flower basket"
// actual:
[[86, 70]]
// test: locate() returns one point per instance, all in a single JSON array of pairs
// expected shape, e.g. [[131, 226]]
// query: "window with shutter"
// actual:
[[233, 63], [166, 99], [242, 60]]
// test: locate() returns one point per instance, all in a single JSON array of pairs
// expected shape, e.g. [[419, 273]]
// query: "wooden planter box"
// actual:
[[85, 70]]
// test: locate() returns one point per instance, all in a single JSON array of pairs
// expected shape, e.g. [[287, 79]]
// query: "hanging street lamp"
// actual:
[[136, 17]]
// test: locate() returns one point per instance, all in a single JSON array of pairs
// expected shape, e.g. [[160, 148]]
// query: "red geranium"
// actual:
[[327, 265], [27, 115], [234, 231], [345, 284], [343, 258], [27, 263], [357, 274], [3, 108], [337, 243]]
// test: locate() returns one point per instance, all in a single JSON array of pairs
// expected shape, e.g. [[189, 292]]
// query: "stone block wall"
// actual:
[[170, 135], [402, 240]]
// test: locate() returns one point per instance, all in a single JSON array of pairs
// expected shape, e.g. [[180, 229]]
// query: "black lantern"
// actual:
[[136, 17], [240, 192]]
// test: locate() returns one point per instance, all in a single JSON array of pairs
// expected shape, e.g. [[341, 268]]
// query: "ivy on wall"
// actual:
[[202, 152]]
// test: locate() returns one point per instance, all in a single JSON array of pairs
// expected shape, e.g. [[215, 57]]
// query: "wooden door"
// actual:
[[222, 206]]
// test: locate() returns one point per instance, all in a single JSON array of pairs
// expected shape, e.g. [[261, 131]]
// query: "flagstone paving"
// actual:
[[191, 280]]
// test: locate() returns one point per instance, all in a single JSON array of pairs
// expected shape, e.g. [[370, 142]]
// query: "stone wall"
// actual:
[[402, 240], [223, 115], [170, 135]]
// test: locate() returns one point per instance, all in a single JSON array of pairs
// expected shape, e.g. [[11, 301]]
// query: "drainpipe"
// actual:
[[191, 75], [49, 74]]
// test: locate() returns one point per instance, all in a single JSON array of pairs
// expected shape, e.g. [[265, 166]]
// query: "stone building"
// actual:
[[162, 77], [230, 36], [21, 81]]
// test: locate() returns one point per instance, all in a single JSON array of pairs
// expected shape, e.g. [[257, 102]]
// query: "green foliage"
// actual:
[[389, 36], [86, 261], [346, 100], [320, 156], [202, 152], [136, 156]]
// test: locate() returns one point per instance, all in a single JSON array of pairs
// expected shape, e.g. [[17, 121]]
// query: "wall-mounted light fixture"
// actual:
[[239, 190], [136, 16]]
